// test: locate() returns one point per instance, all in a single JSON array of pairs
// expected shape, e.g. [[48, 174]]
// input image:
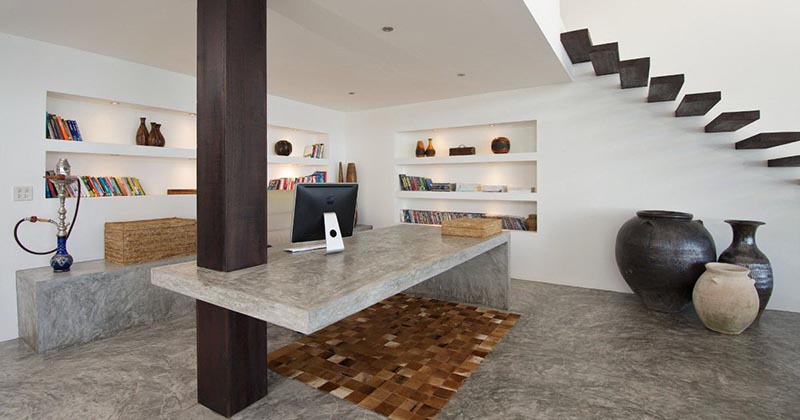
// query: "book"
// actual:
[[494, 188], [318, 177], [468, 187], [437, 217]]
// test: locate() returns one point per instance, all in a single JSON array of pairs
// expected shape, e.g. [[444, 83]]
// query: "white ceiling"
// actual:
[[319, 50]]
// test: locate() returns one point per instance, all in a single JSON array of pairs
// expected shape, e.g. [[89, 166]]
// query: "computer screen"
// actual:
[[312, 201]]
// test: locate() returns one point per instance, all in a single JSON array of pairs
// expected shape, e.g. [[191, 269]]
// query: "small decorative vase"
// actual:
[[744, 251], [725, 298], [501, 145], [61, 261], [161, 141], [340, 178], [351, 173], [141, 133], [420, 152], [152, 138], [283, 148], [660, 254], [430, 151], [530, 223]]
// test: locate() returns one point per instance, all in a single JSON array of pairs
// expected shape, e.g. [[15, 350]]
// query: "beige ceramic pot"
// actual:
[[725, 298]]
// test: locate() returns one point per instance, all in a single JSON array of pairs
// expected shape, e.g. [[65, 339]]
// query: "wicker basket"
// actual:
[[150, 240], [474, 228]]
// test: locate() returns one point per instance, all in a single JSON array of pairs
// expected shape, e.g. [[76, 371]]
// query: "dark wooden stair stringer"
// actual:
[[605, 58], [578, 45], [697, 104], [767, 140], [634, 73], [665, 88], [787, 162], [732, 121]]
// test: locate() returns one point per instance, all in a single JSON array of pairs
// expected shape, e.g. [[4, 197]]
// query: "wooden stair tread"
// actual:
[[732, 121], [791, 161], [697, 104], [578, 44], [634, 73], [605, 58], [665, 88], [767, 140]]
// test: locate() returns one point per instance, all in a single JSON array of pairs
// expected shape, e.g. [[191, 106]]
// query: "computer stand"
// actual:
[[333, 234]]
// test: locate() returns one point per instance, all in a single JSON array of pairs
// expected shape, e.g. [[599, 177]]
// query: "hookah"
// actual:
[[61, 260]]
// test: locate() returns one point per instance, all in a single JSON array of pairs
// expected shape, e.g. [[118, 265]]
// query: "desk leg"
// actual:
[[481, 281], [231, 359]]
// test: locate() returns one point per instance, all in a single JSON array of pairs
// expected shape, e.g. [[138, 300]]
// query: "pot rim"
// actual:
[[745, 222], [727, 268], [664, 214]]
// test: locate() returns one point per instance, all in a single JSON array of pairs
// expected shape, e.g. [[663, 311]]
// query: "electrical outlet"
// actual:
[[24, 193]]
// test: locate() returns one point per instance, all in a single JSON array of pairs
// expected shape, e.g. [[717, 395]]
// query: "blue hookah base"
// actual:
[[61, 261]]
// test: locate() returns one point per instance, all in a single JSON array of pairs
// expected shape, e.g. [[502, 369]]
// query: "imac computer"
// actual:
[[323, 211]]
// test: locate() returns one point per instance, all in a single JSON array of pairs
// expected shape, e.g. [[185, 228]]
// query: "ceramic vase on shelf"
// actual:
[[725, 298], [420, 151], [501, 145], [340, 178], [283, 148], [141, 133], [152, 138], [159, 141], [744, 251], [351, 173], [430, 151], [660, 254]]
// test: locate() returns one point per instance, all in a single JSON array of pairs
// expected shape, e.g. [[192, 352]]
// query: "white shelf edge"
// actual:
[[477, 196], [296, 160], [468, 159], [111, 149], [129, 196]]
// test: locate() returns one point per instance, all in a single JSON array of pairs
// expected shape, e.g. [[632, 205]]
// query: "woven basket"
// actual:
[[474, 228], [143, 241]]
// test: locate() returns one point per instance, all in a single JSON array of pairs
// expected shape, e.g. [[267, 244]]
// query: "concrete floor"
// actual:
[[575, 354]]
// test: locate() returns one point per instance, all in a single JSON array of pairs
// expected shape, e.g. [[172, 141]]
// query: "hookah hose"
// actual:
[[34, 219]]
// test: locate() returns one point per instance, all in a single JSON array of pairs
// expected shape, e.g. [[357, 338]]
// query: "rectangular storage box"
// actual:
[[142, 241], [474, 228], [462, 151]]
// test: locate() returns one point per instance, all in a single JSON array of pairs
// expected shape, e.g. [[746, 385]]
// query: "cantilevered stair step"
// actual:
[[767, 140], [665, 88], [784, 162], [578, 44], [732, 121], [605, 58], [697, 104], [634, 73]]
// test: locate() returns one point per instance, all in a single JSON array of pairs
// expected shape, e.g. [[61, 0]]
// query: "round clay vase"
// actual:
[[420, 151], [430, 151], [501, 145], [725, 298], [744, 251], [660, 254], [283, 148]]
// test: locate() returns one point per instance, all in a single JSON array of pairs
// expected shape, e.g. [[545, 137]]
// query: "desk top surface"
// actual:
[[308, 291]]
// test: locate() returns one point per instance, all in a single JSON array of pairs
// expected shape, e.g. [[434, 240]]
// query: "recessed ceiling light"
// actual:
[[192, 114], [114, 103], [387, 28], [351, 93], [461, 74]]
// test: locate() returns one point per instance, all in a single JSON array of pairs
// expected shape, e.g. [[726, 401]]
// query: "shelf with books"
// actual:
[[112, 149], [479, 196], [469, 159]]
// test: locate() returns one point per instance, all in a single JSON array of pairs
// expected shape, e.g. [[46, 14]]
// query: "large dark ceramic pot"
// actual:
[[661, 254], [744, 251]]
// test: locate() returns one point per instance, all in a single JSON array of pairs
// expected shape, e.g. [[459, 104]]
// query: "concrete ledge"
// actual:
[[95, 300]]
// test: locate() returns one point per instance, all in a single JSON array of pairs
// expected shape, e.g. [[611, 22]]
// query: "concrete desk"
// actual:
[[308, 291]]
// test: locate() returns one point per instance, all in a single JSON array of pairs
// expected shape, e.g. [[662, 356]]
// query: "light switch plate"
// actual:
[[24, 193]]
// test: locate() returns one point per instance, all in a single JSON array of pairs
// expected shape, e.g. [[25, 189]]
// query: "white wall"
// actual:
[[29, 70], [604, 154]]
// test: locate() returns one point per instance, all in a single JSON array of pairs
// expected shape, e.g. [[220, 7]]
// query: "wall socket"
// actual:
[[24, 193]]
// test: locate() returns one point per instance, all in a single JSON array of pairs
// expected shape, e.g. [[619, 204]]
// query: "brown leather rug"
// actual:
[[404, 357]]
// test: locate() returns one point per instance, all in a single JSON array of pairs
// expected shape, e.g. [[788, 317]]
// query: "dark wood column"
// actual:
[[231, 193]]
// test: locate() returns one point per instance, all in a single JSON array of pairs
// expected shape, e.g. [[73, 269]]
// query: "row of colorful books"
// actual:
[[415, 183], [61, 129], [105, 186], [318, 177], [428, 217], [315, 151]]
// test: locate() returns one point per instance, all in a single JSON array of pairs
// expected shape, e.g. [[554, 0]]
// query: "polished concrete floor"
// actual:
[[574, 354]]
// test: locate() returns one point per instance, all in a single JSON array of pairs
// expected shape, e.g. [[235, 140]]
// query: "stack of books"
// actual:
[[468, 187], [104, 186], [61, 129], [285, 184], [494, 188], [415, 183], [427, 217], [443, 187], [315, 151]]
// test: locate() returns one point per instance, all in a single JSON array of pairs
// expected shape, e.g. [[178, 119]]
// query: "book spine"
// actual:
[[139, 186]]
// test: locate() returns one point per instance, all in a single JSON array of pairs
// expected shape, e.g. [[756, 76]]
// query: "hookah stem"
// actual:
[[69, 232]]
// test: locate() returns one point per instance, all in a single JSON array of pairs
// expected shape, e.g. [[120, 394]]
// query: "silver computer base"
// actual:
[[333, 237]]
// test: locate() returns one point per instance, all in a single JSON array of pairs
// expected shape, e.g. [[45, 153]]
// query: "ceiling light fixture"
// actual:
[[114, 103], [387, 28], [351, 93], [461, 74]]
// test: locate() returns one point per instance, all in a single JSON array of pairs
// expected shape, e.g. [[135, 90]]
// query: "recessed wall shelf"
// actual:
[[479, 196], [296, 160], [445, 160], [111, 149]]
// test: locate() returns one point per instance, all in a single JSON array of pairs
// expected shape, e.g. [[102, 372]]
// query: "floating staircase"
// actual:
[[635, 72]]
